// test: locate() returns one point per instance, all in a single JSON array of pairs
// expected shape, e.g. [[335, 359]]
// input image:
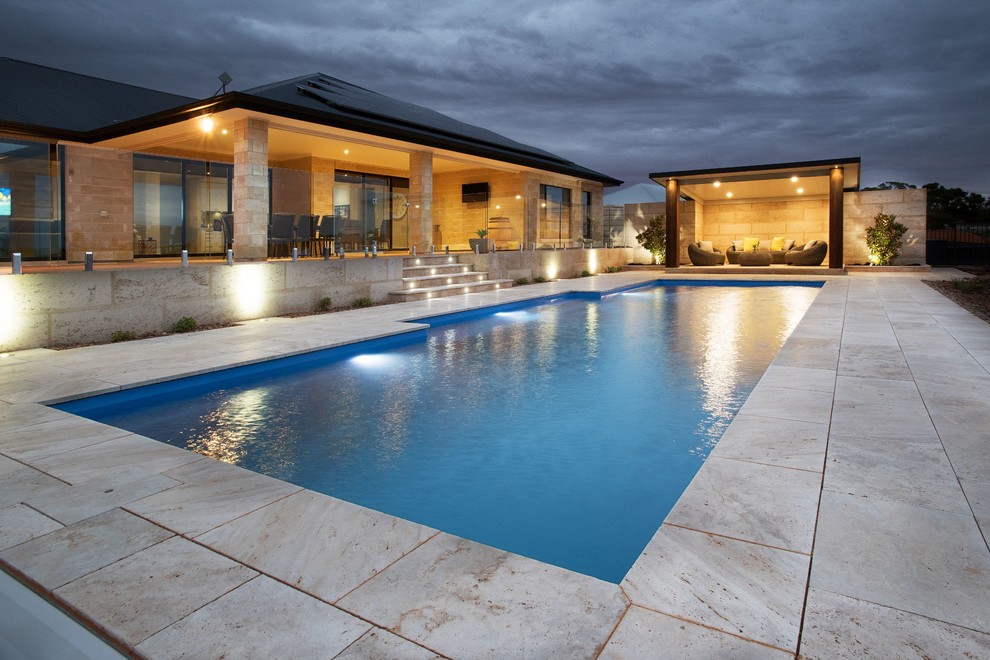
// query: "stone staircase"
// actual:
[[439, 275]]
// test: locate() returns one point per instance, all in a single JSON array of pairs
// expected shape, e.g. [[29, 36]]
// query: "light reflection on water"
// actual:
[[564, 432]]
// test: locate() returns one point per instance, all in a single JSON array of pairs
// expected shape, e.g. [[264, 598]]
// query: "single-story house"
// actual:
[[125, 172]]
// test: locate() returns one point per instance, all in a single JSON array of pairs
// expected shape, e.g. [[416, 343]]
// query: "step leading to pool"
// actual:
[[436, 276]]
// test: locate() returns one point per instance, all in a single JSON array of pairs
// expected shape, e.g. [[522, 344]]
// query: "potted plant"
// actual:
[[480, 244]]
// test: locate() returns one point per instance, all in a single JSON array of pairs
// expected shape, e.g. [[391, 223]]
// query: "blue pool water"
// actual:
[[563, 431]]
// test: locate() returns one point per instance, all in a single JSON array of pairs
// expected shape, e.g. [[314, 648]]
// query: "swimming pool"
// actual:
[[563, 431]]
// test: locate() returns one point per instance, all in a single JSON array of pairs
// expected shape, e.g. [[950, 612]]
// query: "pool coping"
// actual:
[[759, 502]]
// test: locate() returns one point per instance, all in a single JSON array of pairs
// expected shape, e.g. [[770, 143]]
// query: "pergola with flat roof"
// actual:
[[820, 178]]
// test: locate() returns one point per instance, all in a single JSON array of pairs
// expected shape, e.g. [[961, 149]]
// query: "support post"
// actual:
[[835, 217], [673, 256]]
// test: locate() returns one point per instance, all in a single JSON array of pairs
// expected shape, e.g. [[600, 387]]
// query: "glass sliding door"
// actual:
[[175, 204], [207, 198], [555, 215], [158, 225], [30, 200], [364, 211]]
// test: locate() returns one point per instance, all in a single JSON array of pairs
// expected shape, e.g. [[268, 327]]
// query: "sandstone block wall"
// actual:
[[99, 204], [911, 209], [60, 308]]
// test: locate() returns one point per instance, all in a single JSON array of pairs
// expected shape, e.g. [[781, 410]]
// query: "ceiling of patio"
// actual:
[[289, 139], [762, 182]]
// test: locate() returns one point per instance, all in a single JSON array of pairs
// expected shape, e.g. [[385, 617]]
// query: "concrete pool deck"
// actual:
[[844, 512]]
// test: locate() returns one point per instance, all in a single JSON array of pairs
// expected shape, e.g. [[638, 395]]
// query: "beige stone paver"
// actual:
[[260, 619], [71, 552], [772, 441], [141, 594], [646, 634], [841, 627], [317, 543], [20, 523], [464, 600], [208, 494], [766, 504], [745, 589], [899, 560], [378, 644], [904, 556]]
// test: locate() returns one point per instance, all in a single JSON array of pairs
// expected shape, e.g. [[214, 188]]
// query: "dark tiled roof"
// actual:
[[45, 101], [336, 98], [38, 95]]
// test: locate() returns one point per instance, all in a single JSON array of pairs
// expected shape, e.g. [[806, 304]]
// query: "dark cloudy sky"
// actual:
[[626, 87]]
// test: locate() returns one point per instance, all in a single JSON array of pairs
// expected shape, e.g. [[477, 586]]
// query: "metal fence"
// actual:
[[960, 245]]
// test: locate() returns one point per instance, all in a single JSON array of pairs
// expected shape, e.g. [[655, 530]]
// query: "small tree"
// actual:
[[884, 238], [654, 238]]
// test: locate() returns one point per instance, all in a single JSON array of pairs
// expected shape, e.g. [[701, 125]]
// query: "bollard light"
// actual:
[[326, 253], [295, 254], [230, 257], [414, 251], [15, 263], [185, 258], [446, 249], [89, 261]]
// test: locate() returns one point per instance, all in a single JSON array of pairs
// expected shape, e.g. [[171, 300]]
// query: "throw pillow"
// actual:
[[750, 244], [788, 244], [706, 245], [810, 244], [737, 245], [777, 243]]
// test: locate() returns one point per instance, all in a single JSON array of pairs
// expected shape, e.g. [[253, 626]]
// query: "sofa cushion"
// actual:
[[788, 244], [750, 244], [706, 245], [737, 245], [777, 243]]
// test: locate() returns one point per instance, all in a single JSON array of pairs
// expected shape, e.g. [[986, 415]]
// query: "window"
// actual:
[[30, 200], [586, 208], [555, 214]]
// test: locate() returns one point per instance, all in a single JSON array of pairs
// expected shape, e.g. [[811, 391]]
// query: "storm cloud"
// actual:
[[625, 88]]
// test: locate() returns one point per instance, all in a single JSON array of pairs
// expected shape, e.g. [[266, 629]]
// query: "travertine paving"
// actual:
[[844, 513]]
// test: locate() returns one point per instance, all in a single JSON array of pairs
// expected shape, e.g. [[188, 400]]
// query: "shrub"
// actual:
[[361, 303], [324, 304], [976, 285], [539, 279], [585, 273], [613, 269], [654, 238], [884, 238], [185, 324], [122, 335], [520, 281]]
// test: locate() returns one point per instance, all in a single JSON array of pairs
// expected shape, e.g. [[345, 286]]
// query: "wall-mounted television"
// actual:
[[474, 192], [4, 201]]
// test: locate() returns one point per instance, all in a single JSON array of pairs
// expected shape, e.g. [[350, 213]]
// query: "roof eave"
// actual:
[[239, 100]]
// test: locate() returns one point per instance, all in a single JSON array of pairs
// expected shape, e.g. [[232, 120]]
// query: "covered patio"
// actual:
[[799, 201]]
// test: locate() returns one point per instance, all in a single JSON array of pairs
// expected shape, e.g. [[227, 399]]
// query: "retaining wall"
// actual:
[[73, 307]]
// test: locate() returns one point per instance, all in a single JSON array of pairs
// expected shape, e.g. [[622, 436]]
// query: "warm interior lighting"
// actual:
[[800, 190], [347, 151], [728, 194], [794, 179], [518, 196], [717, 184], [223, 131], [206, 124]]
